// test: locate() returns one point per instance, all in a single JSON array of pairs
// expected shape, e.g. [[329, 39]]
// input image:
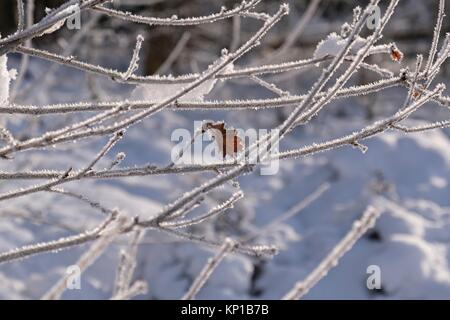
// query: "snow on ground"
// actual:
[[405, 176]]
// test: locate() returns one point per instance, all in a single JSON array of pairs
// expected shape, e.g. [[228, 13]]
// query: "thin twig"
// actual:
[[331, 260], [134, 59]]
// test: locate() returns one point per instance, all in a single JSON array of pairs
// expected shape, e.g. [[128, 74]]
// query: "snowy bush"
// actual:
[[60, 152]]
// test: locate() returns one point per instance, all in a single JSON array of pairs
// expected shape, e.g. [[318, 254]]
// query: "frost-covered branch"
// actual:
[[253, 104], [20, 16], [87, 259], [359, 228], [116, 75], [63, 178], [338, 58], [364, 133], [299, 207], [134, 59], [62, 243], [208, 269], [123, 286], [242, 9], [213, 212], [436, 34], [225, 60]]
